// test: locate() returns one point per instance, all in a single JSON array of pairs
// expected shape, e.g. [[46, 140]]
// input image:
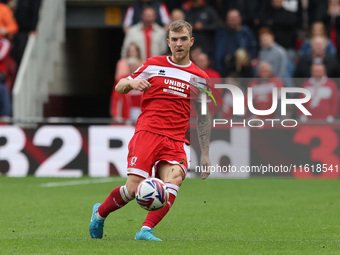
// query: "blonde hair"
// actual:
[[241, 58], [318, 23], [179, 25]]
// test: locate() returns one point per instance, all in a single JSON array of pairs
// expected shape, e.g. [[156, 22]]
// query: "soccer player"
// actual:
[[168, 83]]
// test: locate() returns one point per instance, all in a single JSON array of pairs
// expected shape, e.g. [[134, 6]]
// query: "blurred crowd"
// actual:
[[18, 20], [260, 44]]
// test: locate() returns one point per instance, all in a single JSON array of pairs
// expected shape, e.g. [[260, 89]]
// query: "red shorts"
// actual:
[[147, 149]]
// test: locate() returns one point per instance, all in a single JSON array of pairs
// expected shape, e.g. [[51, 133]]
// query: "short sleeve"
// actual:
[[140, 73]]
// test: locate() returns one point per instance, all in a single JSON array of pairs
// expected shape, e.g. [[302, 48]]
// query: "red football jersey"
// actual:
[[166, 105]]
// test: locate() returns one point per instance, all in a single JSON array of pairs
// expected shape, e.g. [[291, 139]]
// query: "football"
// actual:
[[152, 194]]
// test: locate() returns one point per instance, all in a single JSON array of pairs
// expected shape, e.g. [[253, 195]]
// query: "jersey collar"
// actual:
[[174, 64]]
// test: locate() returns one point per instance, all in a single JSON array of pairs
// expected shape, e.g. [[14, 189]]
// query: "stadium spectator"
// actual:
[[8, 28], [331, 19], [134, 13], [229, 39], [8, 24], [122, 66], [127, 107], [157, 145], [148, 35], [323, 104], [272, 53], [242, 67], [284, 25], [26, 14], [250, 10], [263, 89], [5, 101], [317, 29], [318, 56], [204, 20], [177, 14], [203, 62]]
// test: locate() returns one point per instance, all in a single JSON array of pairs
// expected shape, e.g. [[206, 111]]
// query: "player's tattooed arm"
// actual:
[[125, 85], [204, 131]]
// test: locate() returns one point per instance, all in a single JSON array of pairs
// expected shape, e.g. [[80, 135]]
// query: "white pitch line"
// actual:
[[79, 182]]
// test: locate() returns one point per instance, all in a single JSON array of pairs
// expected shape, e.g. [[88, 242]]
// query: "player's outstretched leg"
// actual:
[[118, 197], [154, 217], [173, 179]]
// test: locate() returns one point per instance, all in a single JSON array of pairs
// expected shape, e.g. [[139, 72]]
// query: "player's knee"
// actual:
[[171, 173], [132, 184], [132, 190], [177, 176], [177, 180]]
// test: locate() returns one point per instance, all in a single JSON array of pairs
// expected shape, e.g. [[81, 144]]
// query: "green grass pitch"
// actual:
[[216, 216]]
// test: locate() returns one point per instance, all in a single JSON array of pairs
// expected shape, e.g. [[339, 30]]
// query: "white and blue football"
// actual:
[[152, 194]]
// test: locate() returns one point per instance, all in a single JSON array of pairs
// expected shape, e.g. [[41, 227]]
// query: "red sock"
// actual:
[[154, 217], [117, 199]]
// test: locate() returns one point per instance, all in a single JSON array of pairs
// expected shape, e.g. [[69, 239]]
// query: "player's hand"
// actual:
[[205, 161], [140, 85]]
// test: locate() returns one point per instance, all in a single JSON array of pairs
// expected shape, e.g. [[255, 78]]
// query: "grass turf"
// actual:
[[216, 216]]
